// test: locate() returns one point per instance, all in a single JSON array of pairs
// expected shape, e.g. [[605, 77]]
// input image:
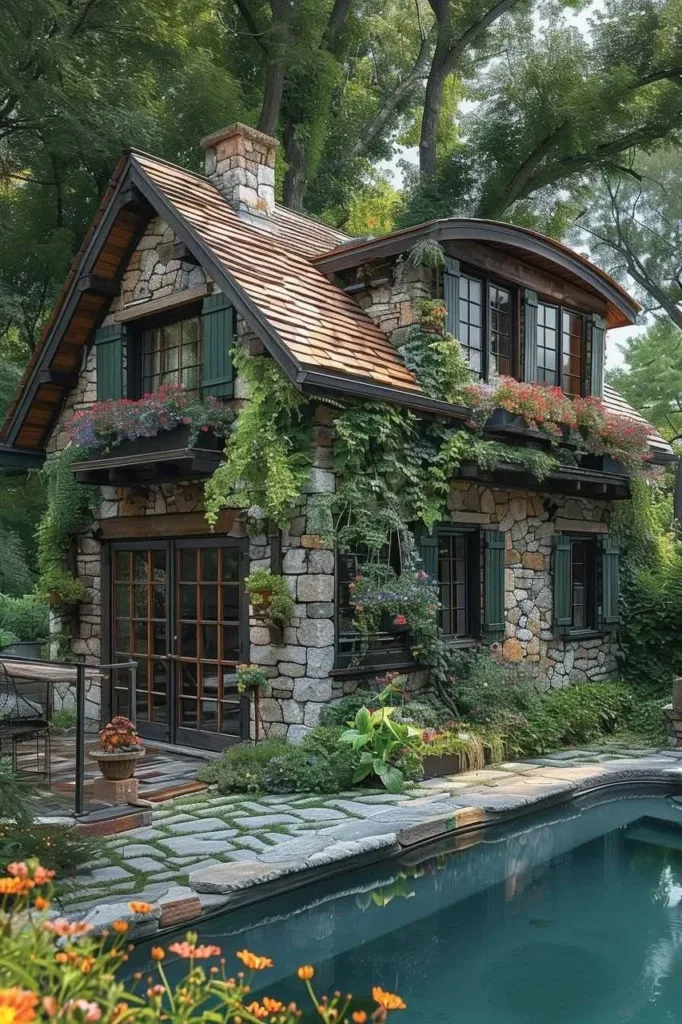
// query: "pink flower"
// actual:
[[400, 620], [17, 869], [90, 1011]]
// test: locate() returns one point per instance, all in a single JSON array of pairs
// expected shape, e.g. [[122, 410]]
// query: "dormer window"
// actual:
[[560, 348], [171, 354], [485, 327]]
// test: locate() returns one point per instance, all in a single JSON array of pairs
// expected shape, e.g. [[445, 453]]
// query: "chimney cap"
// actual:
[[239, 129]]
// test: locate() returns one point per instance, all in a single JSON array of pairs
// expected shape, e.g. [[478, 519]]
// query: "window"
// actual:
[[584, 583], [560, 348], [382, 650], [500, 312], [471, 321], [485, 326], [171, 353], [458, 573]]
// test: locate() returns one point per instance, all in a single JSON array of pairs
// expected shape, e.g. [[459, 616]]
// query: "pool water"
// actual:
[[570, 917]]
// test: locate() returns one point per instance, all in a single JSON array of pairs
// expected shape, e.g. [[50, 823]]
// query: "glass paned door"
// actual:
[[178, 608], [140, 630]]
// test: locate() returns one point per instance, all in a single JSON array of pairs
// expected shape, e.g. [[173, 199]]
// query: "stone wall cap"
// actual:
[[238, 129]]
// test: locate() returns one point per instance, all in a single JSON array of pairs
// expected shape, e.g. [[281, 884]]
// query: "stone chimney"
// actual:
[[240, 162]]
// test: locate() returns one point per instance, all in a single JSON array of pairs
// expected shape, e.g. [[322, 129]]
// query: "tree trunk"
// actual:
[[272, 98], [295, 183], [433, 100]]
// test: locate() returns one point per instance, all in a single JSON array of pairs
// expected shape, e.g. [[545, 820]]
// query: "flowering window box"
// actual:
[[502, 421], [162, 458]]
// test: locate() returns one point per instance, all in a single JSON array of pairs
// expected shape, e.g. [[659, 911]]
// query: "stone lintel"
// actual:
[[579, 526]]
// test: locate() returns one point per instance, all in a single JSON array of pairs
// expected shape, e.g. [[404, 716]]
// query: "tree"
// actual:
[[634, 229], [651, 380]]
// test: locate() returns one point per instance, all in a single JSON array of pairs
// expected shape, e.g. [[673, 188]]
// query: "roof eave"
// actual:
[[463, 229]]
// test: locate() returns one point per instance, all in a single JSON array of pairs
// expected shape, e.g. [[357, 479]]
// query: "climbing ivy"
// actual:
[[268, 455], [70, 507]]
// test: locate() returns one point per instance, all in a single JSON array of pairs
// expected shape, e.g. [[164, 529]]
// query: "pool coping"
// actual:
[[180, 907]]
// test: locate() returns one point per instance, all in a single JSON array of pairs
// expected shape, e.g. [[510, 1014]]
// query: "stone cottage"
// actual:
[[174, 267]]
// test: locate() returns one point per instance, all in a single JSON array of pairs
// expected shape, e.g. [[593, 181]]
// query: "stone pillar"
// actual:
[[240, 162]]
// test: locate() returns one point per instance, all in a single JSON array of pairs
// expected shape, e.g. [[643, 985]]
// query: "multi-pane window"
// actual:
[[171, 353], [471, 321], [500, 329], [560, 348], [457, 581], [382, 649], [571, 351], [547, 344], [584, 582]]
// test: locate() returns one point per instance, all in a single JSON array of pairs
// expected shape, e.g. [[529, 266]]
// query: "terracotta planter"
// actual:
[[116, 766]]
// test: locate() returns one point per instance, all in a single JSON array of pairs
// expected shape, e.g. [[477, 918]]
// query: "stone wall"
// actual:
[[529, 522]]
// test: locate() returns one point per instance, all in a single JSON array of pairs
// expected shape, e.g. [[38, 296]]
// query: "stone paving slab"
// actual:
[[226, 840]]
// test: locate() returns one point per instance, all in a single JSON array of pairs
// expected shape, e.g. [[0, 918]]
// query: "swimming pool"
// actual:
[[572, 916]]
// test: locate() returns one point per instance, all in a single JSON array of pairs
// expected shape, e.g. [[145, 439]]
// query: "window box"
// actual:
[[165, 457], [512, 423]]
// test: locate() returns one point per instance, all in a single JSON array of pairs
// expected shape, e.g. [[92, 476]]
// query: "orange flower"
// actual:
[[40, 903], [272, 1005], [359, 1017], [17, 1006], [140, 907], [42, 875], [18, 869], [158, 953], [192, 952], [87, 963], [119, 1011], [61, 958], [257, 1010], [120, 926], [15, 886], [387, 999], [64, 928], [253, 962], [306, 972], [155, 990], [50, 1006]]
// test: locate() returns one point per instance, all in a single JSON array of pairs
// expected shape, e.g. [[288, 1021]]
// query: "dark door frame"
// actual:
[[172, 545]]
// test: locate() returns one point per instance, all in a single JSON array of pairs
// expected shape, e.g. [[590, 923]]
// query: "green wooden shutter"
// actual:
[[530, 335], [427, 542], [493, 586], [597, 327], [109, 349], [218, 332], [610, 565], [563, 613], [451, 295]]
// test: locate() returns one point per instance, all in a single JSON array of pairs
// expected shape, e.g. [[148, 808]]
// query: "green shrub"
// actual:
[[241, 767], [344, 710], [26, 617], [59, 848], [647, 720], [587, 710], [488, 692]]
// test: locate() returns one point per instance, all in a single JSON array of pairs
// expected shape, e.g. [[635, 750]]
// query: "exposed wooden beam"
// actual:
[[170, 524], [98, 285], [60, 380], [150, 307], [179, 251], [132, 198]]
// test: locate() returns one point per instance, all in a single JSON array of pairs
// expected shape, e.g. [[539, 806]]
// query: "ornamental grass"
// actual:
[[54, 969]]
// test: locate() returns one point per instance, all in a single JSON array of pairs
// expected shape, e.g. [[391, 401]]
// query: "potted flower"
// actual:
[[250, 678], [269, 597], [119, 748], [384, 601], [60, 589], [431, 314]]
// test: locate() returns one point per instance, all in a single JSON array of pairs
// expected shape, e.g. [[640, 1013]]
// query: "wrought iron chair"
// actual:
[[25, 716]]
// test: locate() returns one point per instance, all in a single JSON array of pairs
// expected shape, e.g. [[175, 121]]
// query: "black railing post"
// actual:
[[132, 693], [80, 738]]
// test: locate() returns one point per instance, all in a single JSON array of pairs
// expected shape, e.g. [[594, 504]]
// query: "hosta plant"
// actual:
[[381, 740], [54, 969]]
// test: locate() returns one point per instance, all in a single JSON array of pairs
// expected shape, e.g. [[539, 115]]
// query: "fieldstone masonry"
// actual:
[[298, 667]]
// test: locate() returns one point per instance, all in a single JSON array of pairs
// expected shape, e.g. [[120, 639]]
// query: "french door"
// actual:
[[178, 608]]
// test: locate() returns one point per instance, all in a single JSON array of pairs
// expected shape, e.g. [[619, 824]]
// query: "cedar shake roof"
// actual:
[[318, 333], [321, 327], [616, 404]]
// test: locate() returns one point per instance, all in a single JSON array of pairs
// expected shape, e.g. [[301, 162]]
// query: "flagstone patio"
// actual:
[[203, 847]]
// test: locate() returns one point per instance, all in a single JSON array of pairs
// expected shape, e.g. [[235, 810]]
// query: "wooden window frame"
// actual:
[[472, 536], [584, 317], [488, 281], [135, 354], [593, 584]]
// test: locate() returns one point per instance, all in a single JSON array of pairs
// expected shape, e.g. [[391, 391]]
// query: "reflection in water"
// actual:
[[570, 918]]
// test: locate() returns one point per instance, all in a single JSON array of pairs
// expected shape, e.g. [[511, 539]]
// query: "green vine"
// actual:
[[438, 364], [267, 457], [70, 507]]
